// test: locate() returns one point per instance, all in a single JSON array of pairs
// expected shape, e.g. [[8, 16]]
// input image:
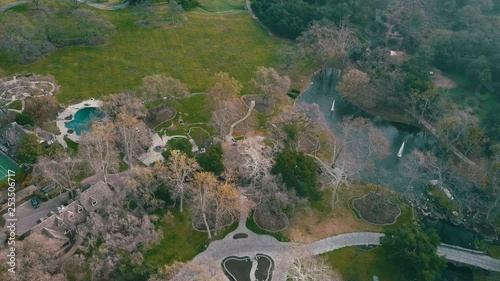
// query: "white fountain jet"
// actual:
[[333, 106], [400, 152]]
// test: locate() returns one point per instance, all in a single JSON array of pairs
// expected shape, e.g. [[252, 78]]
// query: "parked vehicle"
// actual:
[[34, 202]]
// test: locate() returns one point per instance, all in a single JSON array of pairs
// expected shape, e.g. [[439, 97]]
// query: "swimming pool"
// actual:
[[83, 119]]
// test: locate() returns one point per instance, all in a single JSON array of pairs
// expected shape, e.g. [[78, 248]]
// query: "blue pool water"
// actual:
[[83, 119]]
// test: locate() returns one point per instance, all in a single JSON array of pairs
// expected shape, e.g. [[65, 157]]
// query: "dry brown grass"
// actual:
[[309, 226]]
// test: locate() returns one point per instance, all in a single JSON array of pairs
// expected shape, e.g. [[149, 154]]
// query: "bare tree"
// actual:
[[93, 29], [355, 87], [157, 87], [203, 186], [226, 112], [179, 168], [329, 43], [60, 169], [133, 136], [225, 201], [311, 269], [250, 159], [224, 87], [142, 186], [271, 84], [42, 109], [123, 102], [98, 149], [36, 259]]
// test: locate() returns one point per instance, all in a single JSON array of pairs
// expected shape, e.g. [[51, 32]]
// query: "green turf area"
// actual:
[[222, 5], [354, 263], [17, 105], [180, 241], [204, 44], [6, 164]]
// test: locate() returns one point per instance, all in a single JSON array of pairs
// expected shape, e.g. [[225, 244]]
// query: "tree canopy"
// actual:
[[414, 251]]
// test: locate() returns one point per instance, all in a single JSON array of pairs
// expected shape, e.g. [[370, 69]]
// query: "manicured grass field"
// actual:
[[203, 45], [222, 5], [180, 241], [357, 264]]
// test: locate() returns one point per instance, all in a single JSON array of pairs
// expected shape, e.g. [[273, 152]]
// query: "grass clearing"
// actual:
[[354, 263], [222, 5], [321, 221], [16, 105], [203, 45], [180, 241]]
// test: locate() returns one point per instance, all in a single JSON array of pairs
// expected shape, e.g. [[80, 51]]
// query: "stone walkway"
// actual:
[[282, 253]]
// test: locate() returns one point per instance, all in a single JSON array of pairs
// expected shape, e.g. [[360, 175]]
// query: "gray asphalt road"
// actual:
[[27, 216]]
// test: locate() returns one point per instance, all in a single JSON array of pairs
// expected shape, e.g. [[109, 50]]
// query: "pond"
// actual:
[[83, 119], [237, 268], [322, 91]]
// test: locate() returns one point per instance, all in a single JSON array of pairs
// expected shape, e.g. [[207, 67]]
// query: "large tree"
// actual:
[[203, 188], [179, 169], [36, 259], [157, 87], [355, 87], [224, 87], [331, 44], [133, 136], [98, 148], [41, 109], [299, 172], [59, 169], [414, 252], [271, 84], [225, 203], [123, 102]]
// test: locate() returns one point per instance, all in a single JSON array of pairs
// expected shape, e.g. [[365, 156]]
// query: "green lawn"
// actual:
[[180, 241], [357, 264], [204, 44], [222, 5], [17, 105]]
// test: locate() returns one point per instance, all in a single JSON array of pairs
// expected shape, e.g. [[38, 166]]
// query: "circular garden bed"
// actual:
[[199, 224], [376, 208], [270, 218], [262, 105], [157, 115]]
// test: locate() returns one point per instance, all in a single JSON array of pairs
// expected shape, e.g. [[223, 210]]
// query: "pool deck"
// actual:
[[70, 111]]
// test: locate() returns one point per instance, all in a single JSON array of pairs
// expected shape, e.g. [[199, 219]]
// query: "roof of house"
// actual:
[[11, 136], [94, 196]]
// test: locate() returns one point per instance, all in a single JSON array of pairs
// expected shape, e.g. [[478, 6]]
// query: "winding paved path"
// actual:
[[229, 136], [282, 253]]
